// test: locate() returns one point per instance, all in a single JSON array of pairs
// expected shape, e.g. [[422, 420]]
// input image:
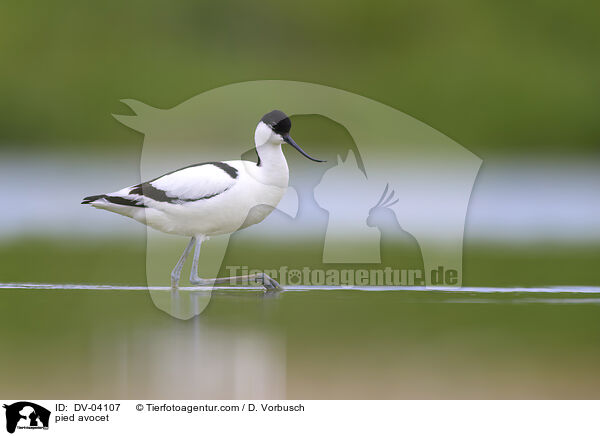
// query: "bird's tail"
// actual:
[[92, 198], [115, 200]]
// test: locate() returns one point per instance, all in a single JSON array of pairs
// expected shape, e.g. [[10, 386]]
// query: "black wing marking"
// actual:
[[113, 199]]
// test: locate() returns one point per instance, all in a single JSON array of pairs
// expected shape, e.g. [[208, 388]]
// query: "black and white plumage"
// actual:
[[211, 198], [170, 202]]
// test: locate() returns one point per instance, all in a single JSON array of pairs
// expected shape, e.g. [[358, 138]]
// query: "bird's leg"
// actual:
[[176, 273], [260, 278]]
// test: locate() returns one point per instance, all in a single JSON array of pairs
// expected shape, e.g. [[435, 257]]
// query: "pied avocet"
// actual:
[[212, 198]]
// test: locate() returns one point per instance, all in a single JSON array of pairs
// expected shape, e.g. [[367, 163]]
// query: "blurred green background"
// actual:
[[513, 82], [494, 76]]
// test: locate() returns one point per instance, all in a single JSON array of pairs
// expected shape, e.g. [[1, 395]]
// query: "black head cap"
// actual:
[[278, 121]]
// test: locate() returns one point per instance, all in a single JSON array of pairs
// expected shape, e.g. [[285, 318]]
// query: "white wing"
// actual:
[[194, 183], [198, 182]]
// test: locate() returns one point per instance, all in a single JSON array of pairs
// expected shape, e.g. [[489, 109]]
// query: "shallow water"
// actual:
[[98, 341], [431, 289]]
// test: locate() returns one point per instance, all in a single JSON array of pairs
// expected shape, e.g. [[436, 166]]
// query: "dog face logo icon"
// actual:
[[26, 415]]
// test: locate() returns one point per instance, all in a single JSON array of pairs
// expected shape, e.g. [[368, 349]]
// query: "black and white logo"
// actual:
[[26, 415]]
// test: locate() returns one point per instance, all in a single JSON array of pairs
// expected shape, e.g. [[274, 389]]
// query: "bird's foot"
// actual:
[[269, 283]]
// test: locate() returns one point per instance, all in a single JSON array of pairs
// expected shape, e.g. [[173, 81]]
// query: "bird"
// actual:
[[398, 248], [212, 198]]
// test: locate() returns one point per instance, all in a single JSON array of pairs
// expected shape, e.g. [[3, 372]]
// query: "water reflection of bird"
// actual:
[[212, 198]]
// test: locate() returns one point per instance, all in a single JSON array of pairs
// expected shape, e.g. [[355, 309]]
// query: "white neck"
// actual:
[[273, 168]]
